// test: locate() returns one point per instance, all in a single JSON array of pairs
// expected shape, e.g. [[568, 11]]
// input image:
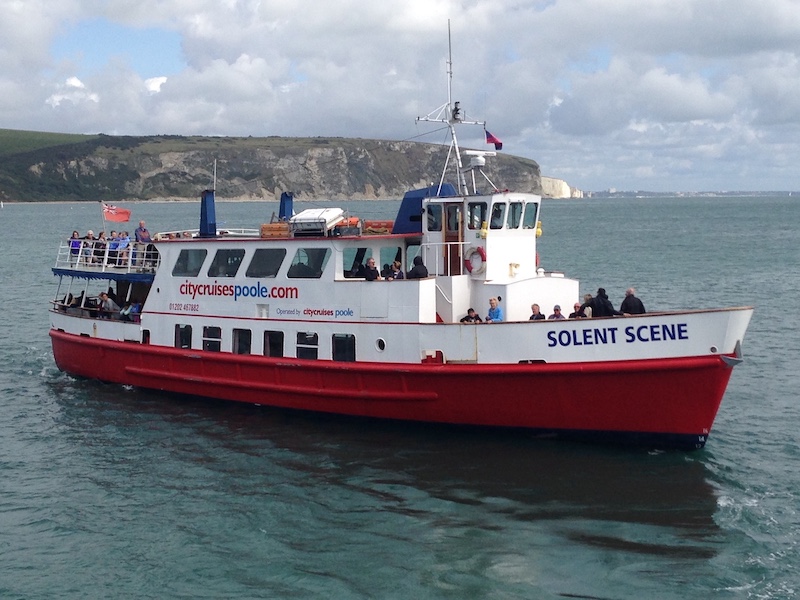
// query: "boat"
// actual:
[[282, 315]]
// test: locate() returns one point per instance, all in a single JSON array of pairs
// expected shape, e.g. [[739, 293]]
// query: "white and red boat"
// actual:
[[281, 316]]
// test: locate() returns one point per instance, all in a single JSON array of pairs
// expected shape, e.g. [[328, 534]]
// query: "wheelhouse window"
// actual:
[[529, 219], [242, 341], [514, 215], [307, 345], [434, 217], [453, 218], [189, 263], [476, 215], [212, 338], [344, 347], [309, 263], [266, 262], [498, 215], [183, 336], [273, 343], [226, 263]]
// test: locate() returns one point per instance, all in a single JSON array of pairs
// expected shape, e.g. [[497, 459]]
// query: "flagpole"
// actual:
[[103, 215]]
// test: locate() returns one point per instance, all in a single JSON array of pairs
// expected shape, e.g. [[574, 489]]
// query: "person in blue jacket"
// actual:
[[495, 312]]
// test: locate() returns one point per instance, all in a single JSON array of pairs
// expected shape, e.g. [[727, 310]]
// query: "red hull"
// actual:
[[673, 401]]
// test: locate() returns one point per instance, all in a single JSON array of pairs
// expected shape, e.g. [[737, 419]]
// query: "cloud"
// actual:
[[604, 93]]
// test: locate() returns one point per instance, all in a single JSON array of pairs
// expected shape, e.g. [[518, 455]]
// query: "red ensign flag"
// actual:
[[490, 139], [118, 215]]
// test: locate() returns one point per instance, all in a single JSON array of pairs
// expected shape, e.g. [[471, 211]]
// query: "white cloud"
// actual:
[[664, 94]]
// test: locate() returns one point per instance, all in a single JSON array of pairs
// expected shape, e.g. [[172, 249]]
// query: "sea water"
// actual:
[[112, 492]]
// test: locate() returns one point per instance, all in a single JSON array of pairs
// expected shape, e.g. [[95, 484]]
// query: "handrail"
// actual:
[[96, 256], [436, 265]]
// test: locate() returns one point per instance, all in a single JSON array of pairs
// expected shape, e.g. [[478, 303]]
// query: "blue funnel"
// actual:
[[286, 209], [208, 215]]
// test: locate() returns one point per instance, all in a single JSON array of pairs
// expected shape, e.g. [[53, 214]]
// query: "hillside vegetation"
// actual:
[[50, 166]]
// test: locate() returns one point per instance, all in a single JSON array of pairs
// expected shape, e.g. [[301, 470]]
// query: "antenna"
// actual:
[[451, 114]]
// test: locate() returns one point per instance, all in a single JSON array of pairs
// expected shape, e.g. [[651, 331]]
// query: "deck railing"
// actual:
[[94, 255]]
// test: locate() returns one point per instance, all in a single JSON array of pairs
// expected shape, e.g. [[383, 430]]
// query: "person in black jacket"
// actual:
[[601, 305], [631, 305], [418, 271]]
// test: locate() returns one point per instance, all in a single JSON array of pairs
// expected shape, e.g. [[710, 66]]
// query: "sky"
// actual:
[[656, 95]]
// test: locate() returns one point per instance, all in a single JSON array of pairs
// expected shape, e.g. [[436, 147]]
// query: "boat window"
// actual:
[[389, 254], [189, 263], [514, 215], [309, 263], [212, 338], [476, 214], [307, 345], [241, 341], [498, 214], [434, 217], [344, 347], [226, 263], [353, 261], [454, 218], [412, 252], [529, 220], [266, 262], [183, 336], [273, 343]]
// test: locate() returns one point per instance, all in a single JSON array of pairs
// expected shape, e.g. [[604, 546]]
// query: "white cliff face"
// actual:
[[558, 188]]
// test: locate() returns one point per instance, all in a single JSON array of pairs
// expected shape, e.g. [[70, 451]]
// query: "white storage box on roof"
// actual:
[[316, 220]]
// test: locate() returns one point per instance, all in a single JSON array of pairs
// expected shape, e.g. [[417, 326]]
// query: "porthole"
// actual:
[[714, 349], [380, 344]]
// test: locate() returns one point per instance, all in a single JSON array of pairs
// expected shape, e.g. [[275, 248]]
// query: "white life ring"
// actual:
[[470, 260]]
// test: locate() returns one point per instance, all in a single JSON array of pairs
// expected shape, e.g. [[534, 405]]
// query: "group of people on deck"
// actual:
[[597, 306], [118, 245]]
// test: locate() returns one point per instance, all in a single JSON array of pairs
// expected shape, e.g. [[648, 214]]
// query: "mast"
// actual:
[[451, 114]]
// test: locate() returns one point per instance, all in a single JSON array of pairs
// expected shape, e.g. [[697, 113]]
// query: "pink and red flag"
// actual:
[[490, 139], [113, 213]]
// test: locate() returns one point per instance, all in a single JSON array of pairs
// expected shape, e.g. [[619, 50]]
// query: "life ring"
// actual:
[[468, 264]]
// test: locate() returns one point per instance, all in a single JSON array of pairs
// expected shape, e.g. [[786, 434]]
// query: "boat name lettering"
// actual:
[[257, 290], [608, 335]]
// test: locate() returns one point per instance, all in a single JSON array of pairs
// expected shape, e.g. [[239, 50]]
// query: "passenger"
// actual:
[[386, 271], [88, 246], [578, 312], [586, 307], [418, 271], [495, 312], [75, 244], [143, 239], [123, 248], [142, 234], [536, 314], [556, 313], [396, 271], [100, 248], [129, 311], [631, 305], [371, 272], [107, 306], [601, 305], [471, 317], [113, 244]]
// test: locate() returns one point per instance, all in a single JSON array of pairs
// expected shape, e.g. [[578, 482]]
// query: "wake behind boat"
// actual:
[[291, 314]]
